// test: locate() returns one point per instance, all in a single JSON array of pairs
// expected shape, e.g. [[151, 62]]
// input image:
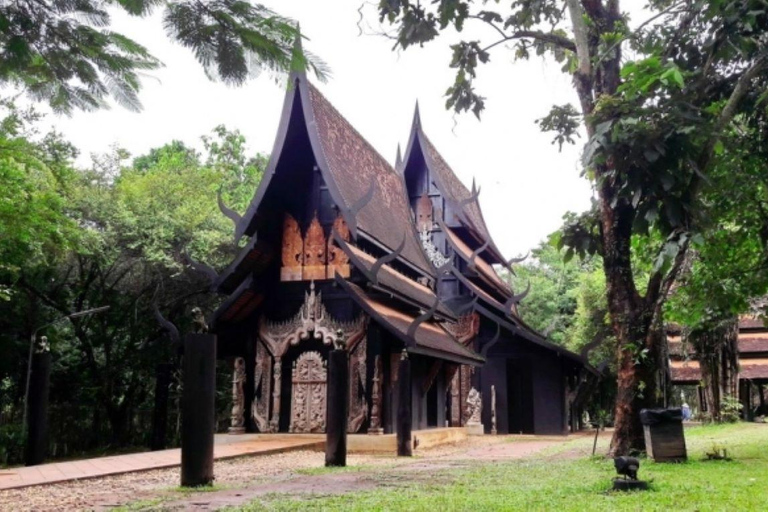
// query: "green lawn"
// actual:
[[551, 482]]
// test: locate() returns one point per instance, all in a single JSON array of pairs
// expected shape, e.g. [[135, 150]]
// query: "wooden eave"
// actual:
[[239, 305], [485, 271], [254, 256], [430, 338], [497, 313], [393, 282]]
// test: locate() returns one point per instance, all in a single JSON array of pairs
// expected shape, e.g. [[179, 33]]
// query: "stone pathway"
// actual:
[[225, 447]]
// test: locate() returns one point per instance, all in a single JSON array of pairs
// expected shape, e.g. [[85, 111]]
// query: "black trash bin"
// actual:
[[664, 437]]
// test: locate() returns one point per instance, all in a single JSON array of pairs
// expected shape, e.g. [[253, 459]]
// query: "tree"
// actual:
[[551, 305], [64, 52], [729, 269], [133, 225], [654, 123]]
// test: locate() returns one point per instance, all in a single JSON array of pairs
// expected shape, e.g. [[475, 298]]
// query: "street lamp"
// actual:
[[32, 341]]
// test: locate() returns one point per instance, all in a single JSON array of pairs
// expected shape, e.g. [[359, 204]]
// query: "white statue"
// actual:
[[474, 406]]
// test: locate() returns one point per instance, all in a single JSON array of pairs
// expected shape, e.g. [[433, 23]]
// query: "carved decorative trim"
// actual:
[[292, 251], [312, 321], [465, 329], [376, 399], [465, 380], [262, 379], [433, 253], [308, 403], [274, 424], [237, 424], [338, 261], [424, 212], [456, 400], [314, 251], [358, 406]]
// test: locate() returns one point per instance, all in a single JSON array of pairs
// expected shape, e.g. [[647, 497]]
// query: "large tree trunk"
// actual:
[[716, 346]]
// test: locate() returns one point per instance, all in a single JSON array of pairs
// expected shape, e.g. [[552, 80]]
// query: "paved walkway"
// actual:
[[225, 447]]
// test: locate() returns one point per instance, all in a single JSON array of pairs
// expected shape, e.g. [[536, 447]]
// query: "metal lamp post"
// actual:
[[38, 367]]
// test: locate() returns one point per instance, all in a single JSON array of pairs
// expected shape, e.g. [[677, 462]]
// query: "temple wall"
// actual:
[[548, 395]]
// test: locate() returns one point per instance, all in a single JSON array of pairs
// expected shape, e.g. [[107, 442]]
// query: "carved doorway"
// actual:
[[308, 393]]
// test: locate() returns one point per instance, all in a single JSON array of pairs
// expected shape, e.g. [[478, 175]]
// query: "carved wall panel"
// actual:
[[338, 261], [314, 252], [456, 402], [465, 329], [358, 406], [262, 380], [312, 321], [308, 400], [237, 419], [292, 251], [424, 213], [465, 380], [376, 399]]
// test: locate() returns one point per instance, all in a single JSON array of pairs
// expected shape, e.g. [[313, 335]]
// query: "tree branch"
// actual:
[[545, 37]]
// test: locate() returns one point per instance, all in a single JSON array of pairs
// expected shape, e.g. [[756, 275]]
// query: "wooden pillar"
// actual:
[[762, 398], [160, 411], [36, 446], [404, 416], [198, 420], [337, 408]]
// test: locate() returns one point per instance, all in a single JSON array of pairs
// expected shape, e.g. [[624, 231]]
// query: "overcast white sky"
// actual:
[[526, 184]]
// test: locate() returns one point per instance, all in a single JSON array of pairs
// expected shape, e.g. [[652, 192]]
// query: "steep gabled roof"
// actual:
[[449, 184], [349, 165]]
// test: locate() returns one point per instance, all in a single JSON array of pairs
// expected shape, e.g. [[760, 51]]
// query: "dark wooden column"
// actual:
[[198, 420], [36, 446], [404, 415], [337, 409], [160, 412]]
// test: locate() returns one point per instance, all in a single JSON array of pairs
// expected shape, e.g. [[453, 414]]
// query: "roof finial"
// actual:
[[298, 60], [416, 115], [398, 158]]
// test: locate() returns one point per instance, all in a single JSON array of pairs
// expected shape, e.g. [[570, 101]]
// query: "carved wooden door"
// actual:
[[308, 393]]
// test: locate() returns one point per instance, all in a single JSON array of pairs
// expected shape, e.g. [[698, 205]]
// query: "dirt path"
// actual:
[[433, 466], [239, 481]]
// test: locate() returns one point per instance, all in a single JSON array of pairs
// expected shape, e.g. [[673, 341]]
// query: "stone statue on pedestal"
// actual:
[[474, 413]]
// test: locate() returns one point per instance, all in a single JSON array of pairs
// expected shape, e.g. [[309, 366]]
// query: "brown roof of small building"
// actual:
[[754, 372], [685, 371], [431, 338], [354, 165], [751, 322], [750, 345]]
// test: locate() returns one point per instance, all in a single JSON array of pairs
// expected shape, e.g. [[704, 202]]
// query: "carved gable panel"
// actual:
[[292, 250], [314, 251], [424, 212], [338, 261]]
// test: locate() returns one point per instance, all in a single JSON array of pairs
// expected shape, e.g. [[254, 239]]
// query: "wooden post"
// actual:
[[404, 415], [198, 413], [36, 446], [160, 412], [337, 409]]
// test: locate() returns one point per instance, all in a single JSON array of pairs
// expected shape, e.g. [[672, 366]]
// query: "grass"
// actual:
[[547, 482]]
